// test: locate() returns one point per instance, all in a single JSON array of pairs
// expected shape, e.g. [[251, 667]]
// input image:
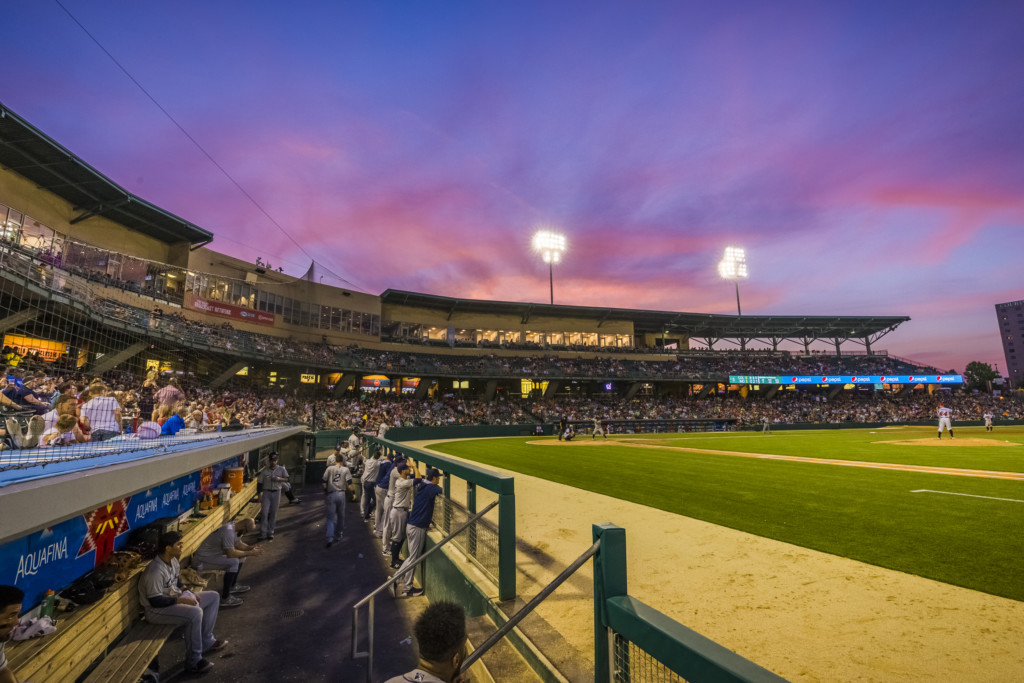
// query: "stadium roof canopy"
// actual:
[[30, 153], [705, 326]]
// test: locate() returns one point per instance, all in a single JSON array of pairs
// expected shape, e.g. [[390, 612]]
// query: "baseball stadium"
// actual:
[[625, 495]]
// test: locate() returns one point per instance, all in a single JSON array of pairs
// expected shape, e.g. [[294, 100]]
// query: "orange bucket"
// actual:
[[233, 477]]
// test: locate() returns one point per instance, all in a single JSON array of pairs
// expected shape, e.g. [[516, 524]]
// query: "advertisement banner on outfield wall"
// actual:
[[224, 310], [846, 379], [54, 557]]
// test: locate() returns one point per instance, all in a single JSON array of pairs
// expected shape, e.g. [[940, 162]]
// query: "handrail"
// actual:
[[368, 653], [530, 606]]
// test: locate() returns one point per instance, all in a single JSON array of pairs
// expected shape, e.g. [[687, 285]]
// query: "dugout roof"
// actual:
[[697, 325], [30, 153]]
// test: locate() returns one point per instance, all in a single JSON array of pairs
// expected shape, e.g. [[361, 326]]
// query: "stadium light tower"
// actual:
[[550, 245], [733, 266]]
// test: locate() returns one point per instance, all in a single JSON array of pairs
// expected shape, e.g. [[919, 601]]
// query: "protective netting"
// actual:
[[631, 664], [479, 541]]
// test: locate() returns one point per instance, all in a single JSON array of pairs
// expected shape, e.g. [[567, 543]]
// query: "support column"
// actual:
[[19, 318], [610, 581], [553, 386], [109, 362], [423, 387], [490, 389], [227, 374], [632, 390]]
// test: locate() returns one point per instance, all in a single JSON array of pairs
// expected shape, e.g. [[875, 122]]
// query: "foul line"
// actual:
[[969, 495], [985, 474]]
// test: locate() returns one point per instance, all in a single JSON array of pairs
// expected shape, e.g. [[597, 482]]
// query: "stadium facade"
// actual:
[[86, 239]]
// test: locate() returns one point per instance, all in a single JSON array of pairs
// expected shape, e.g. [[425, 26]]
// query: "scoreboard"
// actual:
[[845, 379]]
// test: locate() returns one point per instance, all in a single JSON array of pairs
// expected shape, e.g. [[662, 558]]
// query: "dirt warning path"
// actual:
[[806, 615]]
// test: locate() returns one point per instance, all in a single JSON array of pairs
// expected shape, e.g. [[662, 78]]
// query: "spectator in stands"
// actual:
[[64, 433], [441, 637], [174, 423], [165, 601], [420, 519], [11, 598], [170, 394], [102, 414], [224, 549]]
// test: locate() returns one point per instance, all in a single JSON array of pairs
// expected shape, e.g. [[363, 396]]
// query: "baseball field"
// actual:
[[902, 550]]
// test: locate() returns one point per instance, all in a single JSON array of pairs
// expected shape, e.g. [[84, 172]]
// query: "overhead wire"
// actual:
[[198, 146]]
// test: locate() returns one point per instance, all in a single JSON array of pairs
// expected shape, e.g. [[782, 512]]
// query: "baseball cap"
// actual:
[[272, 456], [401, 465], [433, 472]]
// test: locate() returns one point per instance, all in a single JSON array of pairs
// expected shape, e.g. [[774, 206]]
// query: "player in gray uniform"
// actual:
[[598, 428], [272, 479], [401, 503], [380, 493], [165, 602], [224, 549], [369, 479], [336, 480], [389, 502]]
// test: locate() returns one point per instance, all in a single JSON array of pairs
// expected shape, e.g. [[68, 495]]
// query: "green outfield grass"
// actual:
[[869, 515]]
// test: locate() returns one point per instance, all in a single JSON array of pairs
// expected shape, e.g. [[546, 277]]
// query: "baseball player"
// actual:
[[988, 422], [766, 425], [945, 420], [272, 479], [380, 492], [599, 428], [336, 480], [408, 478]]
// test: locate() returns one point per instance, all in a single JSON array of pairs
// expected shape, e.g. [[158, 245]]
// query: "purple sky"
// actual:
[[868, 155]]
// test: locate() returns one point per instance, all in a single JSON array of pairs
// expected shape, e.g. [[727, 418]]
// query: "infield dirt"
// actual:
[[803, 614]]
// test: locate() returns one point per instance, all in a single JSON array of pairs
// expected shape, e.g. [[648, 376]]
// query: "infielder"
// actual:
[[988, 421], [945, 420]]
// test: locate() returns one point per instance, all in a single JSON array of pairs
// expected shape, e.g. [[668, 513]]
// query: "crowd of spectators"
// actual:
[[120, 403]]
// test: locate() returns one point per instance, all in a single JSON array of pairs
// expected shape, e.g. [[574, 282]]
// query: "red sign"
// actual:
[[103, 525], [230, 311]]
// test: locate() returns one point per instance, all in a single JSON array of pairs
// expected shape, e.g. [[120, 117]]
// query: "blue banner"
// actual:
[[846, 379], [54, 557]]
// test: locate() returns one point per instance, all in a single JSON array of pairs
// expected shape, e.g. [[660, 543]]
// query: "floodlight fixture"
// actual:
[[550, 245], [733, 266]]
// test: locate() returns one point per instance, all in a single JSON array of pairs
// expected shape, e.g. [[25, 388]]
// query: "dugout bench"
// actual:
[[112, 628]]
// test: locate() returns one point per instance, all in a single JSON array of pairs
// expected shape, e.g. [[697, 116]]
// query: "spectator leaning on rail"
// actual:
[[175, 423], [11, 598], [441, 638], [224, 549], [165, 601]]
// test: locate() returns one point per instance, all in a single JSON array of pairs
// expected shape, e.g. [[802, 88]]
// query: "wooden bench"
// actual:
[[88, 633]]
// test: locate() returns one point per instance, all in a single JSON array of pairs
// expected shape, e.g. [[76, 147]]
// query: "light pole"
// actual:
[[733, 266], [550, 245]]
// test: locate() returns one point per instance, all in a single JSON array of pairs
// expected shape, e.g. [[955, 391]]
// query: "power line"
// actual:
[[195, 142]]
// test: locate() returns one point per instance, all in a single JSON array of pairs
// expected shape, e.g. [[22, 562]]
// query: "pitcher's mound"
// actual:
[[947, 442]]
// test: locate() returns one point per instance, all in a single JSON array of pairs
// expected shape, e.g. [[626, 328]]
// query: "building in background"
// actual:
[[1011, 332]]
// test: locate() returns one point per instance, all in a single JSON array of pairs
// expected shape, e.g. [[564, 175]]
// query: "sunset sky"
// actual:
[[868, 155]]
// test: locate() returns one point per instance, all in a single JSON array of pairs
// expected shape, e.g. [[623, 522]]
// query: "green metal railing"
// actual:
[[636, 643], [492, 548]]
